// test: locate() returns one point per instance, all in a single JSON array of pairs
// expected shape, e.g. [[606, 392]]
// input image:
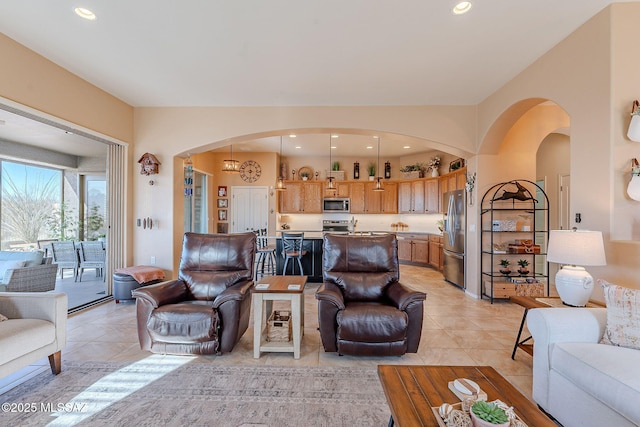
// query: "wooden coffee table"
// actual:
[[412, 391], [279, 289]]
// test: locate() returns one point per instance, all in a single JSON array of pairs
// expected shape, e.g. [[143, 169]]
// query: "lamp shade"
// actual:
[[576, 247]]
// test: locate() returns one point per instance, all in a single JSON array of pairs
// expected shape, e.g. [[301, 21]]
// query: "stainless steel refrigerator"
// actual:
[[455, 224]]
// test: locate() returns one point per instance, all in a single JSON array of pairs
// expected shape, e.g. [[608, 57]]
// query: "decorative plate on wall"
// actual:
[[305, 169]]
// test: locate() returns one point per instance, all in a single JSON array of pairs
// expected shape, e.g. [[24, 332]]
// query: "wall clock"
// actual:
[[250, 171]]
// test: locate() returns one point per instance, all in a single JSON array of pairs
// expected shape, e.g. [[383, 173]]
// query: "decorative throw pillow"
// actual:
[[3, 317], [623, 315], [9, 265]]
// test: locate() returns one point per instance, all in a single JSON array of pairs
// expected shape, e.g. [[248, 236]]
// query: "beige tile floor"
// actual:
[[457, 330]]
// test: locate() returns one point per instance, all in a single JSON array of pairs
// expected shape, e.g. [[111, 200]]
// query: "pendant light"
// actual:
[[331, 185], [230, 166], [378, 186], [280, 185]]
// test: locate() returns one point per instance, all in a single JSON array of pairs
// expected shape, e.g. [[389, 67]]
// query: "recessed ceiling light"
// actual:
[[333, 147], [334, 136], [462, 7], [292, 136], [298, 147], [406, 147], [85, 13], [369, 147]]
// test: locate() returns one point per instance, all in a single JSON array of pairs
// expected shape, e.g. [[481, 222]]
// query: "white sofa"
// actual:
[[577, 380], [37, 328]]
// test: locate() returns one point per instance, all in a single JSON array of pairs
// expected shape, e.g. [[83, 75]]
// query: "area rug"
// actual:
[[179, 391]]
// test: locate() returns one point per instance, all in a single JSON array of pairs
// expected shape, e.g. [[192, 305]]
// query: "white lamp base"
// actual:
[[574, 285]]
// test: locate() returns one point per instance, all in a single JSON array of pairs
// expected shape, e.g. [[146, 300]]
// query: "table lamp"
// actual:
[[575, 248]]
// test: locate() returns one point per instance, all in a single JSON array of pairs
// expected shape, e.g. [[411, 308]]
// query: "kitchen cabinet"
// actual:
[[311, 262], [389, 204], [343, 190], [432, 196], [452, 181], [365, 200], [301, 197], [411, 197], [414, 248], [436, 255]]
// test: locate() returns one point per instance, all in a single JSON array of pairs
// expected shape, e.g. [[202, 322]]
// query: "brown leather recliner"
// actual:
[[362, 307], [206, 310]]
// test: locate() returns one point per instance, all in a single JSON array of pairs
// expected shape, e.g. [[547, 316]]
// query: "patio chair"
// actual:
[[65, 255], [92, 255]]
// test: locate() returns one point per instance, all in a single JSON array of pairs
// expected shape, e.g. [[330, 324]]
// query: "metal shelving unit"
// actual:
[[504, 212]]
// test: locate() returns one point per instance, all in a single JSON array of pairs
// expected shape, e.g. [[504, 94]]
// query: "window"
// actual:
[[31, 206]]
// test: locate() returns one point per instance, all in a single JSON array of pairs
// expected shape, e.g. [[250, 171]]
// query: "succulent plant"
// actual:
[[523, 263], [489, 412], [504, 263]]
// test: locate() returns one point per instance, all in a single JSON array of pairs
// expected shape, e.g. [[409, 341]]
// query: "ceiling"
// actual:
[[295, 53]]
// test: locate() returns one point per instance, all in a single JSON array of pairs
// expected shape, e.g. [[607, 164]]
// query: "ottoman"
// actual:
[[127, 279]]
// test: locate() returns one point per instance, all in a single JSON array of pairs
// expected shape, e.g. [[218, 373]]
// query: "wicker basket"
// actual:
[[279, 326]]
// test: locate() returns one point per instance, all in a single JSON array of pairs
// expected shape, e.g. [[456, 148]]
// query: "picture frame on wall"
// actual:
[[456, 164], [223, 203], [223, 228], [222, 191], [222, 214]]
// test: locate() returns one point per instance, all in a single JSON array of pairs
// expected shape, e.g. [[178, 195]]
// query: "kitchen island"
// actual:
[[408, 245]]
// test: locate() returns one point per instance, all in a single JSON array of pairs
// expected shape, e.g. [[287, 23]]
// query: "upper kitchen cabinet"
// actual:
[[302, 197], [419, 196], [343, 190], [432, 196], [450, 182], [365, 200]]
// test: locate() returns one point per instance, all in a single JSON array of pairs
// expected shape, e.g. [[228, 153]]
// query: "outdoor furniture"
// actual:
[[91, 255], [26, 272], [65, 255]]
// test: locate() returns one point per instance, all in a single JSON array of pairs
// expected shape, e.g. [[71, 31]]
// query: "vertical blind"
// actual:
[[116, 210]]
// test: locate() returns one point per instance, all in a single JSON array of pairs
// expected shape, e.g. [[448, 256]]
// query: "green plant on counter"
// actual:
[[371, 168], [304, 174], [489, 412], [523, 263], [335, 166]]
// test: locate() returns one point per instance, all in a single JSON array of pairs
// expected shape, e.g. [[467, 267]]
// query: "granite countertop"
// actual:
[[315, 234]]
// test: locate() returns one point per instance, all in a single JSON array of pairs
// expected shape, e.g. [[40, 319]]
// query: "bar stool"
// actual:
[[292, 249], [265, 254]]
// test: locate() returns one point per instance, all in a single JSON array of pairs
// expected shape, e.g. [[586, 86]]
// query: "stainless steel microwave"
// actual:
[[336, 205]]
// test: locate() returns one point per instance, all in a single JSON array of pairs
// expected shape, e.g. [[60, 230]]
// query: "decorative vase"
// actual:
[[434, 172], [304, 178], [505, 271], [371, 177], [477, 422], [523, 271]]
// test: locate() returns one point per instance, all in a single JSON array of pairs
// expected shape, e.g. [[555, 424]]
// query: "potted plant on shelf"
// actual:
[[415, 170], [523, 270], [304, 175], [504, 263], [434, 163], [485, 414], [371, 168]]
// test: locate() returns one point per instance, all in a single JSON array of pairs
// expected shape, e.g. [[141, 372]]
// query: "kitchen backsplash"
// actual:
[[418, 223]]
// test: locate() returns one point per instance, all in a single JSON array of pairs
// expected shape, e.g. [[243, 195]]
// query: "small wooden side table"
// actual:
[[537, 302], [281, 288]]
